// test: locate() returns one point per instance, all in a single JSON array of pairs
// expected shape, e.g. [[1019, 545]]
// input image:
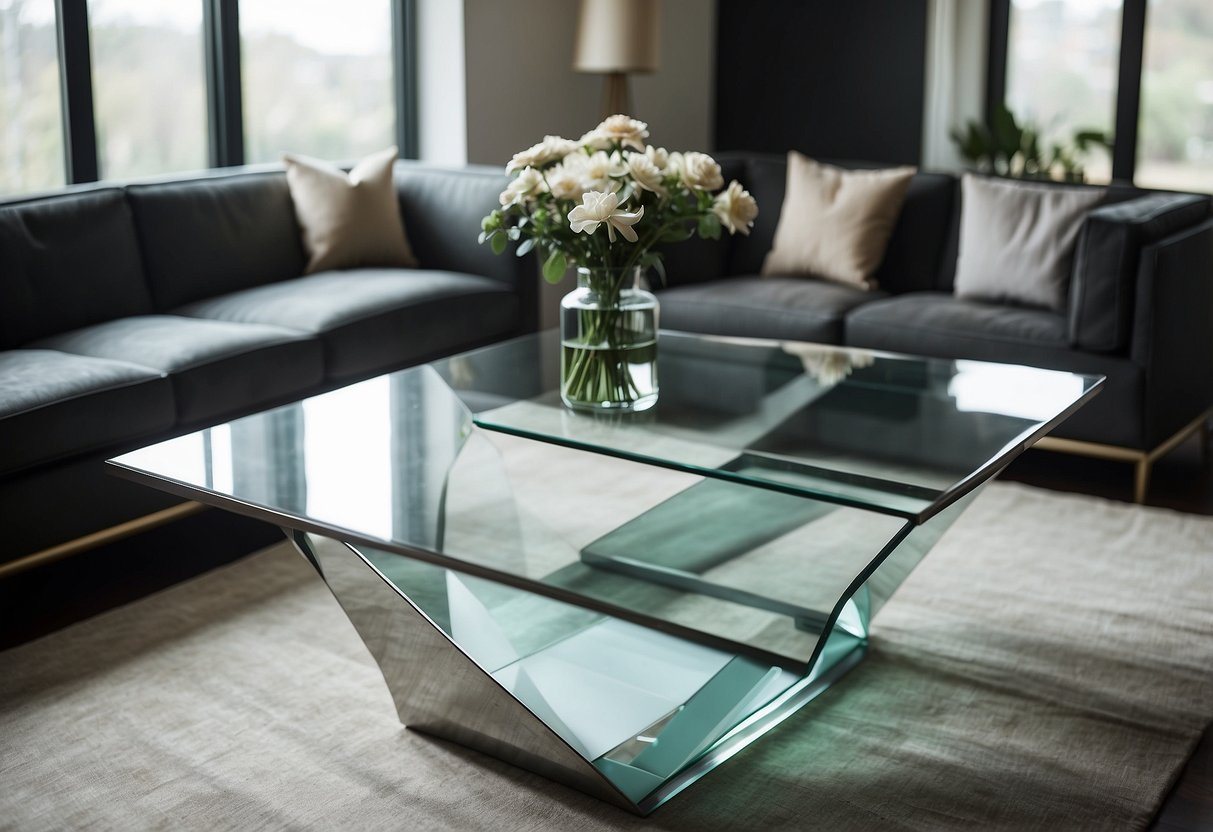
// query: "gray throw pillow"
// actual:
[[1017, 240]]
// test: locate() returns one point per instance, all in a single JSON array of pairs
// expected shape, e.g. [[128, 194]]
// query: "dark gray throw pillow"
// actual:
[[1017, 240]]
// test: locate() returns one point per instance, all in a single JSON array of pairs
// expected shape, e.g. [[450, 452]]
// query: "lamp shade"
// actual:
[[617, 36]]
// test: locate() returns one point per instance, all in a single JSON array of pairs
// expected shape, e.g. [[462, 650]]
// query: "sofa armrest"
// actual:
[[1173, 330], [1106, 263], [442, 210]]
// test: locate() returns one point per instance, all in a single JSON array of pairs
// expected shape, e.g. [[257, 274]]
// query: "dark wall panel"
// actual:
[[836, 79]]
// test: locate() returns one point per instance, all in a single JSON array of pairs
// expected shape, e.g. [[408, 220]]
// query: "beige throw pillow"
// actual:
[[1017, 240], [836, 223], [348, 220]]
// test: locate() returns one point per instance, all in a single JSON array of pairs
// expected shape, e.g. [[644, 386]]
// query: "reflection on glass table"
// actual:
[[620, 602]]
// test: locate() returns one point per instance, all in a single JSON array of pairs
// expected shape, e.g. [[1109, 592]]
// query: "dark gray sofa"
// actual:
[[131, 313], [1140, 305]]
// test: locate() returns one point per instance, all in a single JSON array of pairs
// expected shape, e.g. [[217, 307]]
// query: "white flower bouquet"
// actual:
[[606, 203], [564, 192]]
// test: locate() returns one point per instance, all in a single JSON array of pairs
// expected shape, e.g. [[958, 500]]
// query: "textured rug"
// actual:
[[1048, 666]]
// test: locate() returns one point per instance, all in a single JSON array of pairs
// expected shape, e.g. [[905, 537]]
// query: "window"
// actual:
[[1153, 58], [1175, 131], [149, 90], [1062, 58], [31, 124], [317, 78]]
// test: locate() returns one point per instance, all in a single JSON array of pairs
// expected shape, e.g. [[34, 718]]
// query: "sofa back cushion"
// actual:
[[218, 234], [1103, 284], [914, 256], [65, 262], [442, 210]]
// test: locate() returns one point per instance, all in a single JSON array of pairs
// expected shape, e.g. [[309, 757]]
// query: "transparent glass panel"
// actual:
[[317, 78], [891, 433], [31, 124], [1175, 132], [149, 87], [1062, 59]]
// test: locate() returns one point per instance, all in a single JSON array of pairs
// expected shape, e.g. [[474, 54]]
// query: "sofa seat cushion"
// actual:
[[785, 308], [216, 368], [373, 320], [53, 405], [943, 326]]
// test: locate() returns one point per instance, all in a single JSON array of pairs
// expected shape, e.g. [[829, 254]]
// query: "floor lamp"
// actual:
[[614, 38]]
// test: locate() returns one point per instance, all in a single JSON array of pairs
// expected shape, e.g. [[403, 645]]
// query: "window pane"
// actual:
[[149, 91], [1175, 131], [31, 126], [1062, 59], [317, 78]]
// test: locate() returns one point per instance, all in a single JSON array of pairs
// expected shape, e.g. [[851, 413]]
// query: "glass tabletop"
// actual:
[[654, 517], [896, 434]]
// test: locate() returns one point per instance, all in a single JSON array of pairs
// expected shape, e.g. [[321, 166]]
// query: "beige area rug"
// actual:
[[1049, 666]]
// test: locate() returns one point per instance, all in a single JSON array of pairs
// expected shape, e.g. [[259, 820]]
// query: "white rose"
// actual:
[[536, 156], [598, 208], [524, 187], [699, 171], [623, 129], [595, 140], [645, 174], [658, 156], [735, 208], [564, 181]]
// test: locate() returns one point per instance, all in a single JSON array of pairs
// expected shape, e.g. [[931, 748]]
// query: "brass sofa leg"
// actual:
[[100, 538], [1141, 478], [1142, 460]]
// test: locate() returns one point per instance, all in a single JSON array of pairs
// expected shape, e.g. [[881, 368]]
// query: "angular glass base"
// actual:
[[626, 713]]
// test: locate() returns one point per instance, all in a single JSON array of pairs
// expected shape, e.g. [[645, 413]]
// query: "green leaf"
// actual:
[[498, 241], [677, 235], [709, 227], [659, 267], [554, 268], [525, 247]]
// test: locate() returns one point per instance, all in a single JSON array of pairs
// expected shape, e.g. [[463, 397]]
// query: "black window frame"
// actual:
[[1128, 80], [224, 98]]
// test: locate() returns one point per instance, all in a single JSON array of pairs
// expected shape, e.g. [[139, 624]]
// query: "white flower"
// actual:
[[623, 129], [538, 155], [658, 156], [700, 171], [525, 186], [644, 173], [597, 208], [673, 163], [595, 140], [564, 181], [598, 170], [735, 208]]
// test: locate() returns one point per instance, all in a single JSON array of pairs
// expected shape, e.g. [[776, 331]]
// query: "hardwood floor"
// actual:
[[46, 599]]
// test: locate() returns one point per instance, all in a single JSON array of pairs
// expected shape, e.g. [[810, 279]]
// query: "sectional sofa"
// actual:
[[132, 313], [1140, 306]]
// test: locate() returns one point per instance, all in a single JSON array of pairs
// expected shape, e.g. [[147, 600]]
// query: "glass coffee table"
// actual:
[[620, 602]]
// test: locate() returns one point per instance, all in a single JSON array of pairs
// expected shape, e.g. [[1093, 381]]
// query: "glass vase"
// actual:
[[608, 342]]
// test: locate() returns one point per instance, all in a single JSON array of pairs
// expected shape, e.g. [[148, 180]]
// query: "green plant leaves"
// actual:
[[709, 227], [554, 267], [498, 242]]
